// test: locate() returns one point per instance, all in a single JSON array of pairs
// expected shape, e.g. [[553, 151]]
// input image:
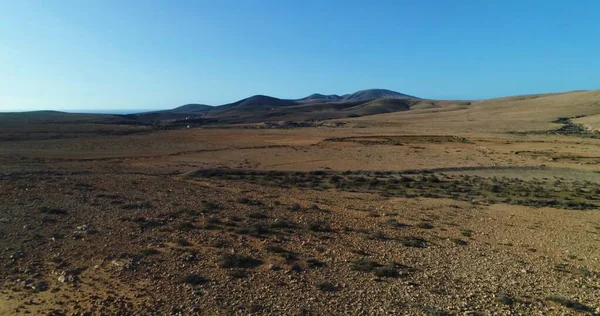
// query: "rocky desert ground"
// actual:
[[478, 208]]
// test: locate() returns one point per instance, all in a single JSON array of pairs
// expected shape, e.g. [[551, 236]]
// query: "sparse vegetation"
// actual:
[[125, 216], [138, 205], [194, 279], [258, 215], [466, 232], [52, 210], [280, 223], [327, 287], [504, 299], [425, 225], [394, 223], [379, 235], [414, 242], [568, 195], [459, 242], [238, 261], [319, 226], [182, 242], [148, 252], [569, 303], [388, 271]]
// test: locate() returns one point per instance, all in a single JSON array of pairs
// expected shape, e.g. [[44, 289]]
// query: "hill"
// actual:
[[317, 97], [373, 94], [192, 108]]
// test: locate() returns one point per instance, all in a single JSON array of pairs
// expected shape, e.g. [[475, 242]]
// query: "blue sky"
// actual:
[[90, 55]]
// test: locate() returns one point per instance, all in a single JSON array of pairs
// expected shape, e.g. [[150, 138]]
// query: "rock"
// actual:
[[41, 286], [83, 227], [296, 268], [68, 276], [17, 255], [123, 264], [195, 309], [274, 267]]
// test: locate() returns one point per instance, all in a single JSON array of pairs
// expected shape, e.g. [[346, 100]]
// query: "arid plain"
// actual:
[[449, 208]]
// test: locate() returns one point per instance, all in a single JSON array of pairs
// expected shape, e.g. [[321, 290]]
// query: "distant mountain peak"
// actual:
[[372, 94], [318, 97], [192, 107]]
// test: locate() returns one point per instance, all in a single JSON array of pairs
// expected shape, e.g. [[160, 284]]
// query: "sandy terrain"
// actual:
[[475, 210]]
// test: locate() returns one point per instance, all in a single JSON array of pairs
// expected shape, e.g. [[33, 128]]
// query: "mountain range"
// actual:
[[260, 108]]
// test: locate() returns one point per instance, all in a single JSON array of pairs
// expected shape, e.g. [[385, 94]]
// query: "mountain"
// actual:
[[372, 94], [192, 108], [253, 102], [262, 108], [317, 97], [259, 101]]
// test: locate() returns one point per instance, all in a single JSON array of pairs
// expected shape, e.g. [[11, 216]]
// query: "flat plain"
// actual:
[[458, 208]]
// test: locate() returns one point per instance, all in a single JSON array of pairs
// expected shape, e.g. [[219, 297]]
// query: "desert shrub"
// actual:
[[466, 232], [148, 252], [139, 205], [388, 271], [238, 261], [249, 201], [182, 242], [193, 279], [569, 303], [432, 311], [255, 308], [296, 267], [374, 182], [237, 274], [504, 299], [280, 223], [52, 210], [425, 225], [319, 226], [459, 242], [242, 200], [235, 218], [359, 252], [314, 263], [360, 180], [414, 242], [187, 225], [335, 179], [220, 244], [432, 179], [364, 265], [210, 207], [327, 287], [405, 179], [258, 215], [214, 221], [255, 229], [379, 235]]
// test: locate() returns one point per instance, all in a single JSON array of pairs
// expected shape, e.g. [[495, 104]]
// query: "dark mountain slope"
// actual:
[[254, 102], [317, 97], [192, 108], [373, 94]]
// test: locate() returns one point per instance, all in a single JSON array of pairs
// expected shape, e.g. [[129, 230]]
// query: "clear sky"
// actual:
[[91, 55]]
